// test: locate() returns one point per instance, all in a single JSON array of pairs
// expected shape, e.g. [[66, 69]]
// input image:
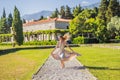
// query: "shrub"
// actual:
[[6, 43], [78, 40], [117, 37], [47, 42], [90, 40]]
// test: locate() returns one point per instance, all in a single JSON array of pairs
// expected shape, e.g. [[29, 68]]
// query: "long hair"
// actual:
[[66, 37]]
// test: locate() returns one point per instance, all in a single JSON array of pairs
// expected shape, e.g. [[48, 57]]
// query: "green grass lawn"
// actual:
[[104, 63], [22, 64]]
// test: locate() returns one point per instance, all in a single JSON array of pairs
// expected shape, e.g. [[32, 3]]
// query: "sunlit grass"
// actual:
[[21, 65], [104, 63]]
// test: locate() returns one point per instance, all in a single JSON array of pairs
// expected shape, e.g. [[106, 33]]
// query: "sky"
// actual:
[[33, 6]]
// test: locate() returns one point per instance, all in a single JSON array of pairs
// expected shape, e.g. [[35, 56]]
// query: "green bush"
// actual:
[[51, 42], [90, 40], [117, 37], [5, 43], [78, 40]]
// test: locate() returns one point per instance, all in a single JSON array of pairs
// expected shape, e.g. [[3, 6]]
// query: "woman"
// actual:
[[59, 53]]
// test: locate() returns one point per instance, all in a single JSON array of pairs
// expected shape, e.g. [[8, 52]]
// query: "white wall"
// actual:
[[61, 25], [42, 26]]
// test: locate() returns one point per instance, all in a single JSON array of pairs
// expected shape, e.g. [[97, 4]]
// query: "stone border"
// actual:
[[39, 68]]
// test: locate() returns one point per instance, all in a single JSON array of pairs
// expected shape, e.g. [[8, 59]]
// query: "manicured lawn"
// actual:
[[22, 64], [104, 63]]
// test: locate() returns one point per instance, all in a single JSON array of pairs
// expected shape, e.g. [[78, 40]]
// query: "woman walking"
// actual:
[[59, 52]]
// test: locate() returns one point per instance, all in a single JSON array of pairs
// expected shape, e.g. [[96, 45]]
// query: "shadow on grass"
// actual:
[[12, 50], [101, 68], [76, 67]]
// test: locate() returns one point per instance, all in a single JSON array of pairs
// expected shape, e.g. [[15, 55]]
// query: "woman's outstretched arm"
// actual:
[[69, 47]]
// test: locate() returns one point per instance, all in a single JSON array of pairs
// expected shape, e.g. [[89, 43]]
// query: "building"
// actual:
[[48, 24]]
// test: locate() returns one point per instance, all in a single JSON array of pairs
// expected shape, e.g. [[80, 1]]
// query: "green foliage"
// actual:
[[113, 9], [77, 10], [78, 24], [51, 42], [5, 44], [23, 21], [9, 22], [3, 23], [102, 34], [114, 26], [55, 13], [117, 37], [90, 25], [78, 40], [68, 14], [62, 12], [102, 10], [41, 17], [90, 40], [96, 11], [17, 27], [5, 37]]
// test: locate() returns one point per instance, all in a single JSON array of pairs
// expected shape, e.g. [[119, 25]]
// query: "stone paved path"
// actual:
[[74, 70]]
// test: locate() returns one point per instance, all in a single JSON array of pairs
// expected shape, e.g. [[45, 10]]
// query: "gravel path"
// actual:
[[73, 70]]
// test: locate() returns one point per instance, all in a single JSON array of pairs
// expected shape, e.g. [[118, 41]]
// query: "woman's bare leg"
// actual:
[[72, 55], [62, 64]]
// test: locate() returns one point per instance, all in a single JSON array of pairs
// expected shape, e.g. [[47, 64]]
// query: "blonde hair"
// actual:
[[67, 36]]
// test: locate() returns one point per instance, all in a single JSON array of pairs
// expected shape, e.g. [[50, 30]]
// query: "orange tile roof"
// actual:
[[45, 21]]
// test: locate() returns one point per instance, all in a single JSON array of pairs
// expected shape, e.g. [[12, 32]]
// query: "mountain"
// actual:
[[92, 5], [46, 13], [37, 15]]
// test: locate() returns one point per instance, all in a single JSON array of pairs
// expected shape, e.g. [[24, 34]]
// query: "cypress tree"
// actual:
[[62, 12], [41, 17], [102, 10], [96, 11], [68, 14], [77, 10], [23, 21], [9, 21], [4, 14], [113, 9], [17, 27], [55, 13], [3, 23]]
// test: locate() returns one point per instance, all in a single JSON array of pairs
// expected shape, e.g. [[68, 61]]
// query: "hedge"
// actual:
[[78, 40], [51, 42]]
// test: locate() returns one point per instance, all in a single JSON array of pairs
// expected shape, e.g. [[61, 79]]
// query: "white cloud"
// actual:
[[84, 3]]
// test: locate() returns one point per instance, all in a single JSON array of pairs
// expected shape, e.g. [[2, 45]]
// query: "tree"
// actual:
[[77, 10], [9, 22], [23, 21], [17, 27], [96, 11], [68, 14], [62, 12], [114, 27], [4, 14], [102, 10], [41, 17], [78, 25], [90, 25], [55, 13], [101, 33], [3, 23], [113, 9]]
